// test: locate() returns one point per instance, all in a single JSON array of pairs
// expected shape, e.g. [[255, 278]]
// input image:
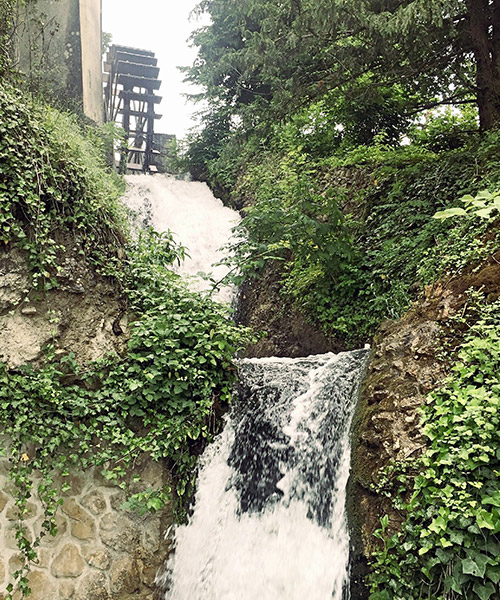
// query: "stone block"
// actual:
[[81, 522], [3, 501], [66, 590], [116, 500], [15, 563], [13, 512], [51, 540], [94, 586], [94, 502], [97, 558], [10, 537], [68, 563], [125, 575], [119, 533], [2, 570], [42, 587], [151, 537]]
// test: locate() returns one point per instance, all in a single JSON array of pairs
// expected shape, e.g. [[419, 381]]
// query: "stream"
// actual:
[[269, 516]]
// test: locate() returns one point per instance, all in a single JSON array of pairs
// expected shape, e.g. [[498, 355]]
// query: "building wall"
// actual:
[[91, 39], [60, 52]]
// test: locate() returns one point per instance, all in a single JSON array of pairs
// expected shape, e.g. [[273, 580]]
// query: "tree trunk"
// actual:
[[484, 24]]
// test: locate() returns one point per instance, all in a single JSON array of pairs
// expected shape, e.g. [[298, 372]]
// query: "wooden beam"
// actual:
[[129, 81], [129, 68], [117, 48], [140, 97], [137, 58], [140, 113]]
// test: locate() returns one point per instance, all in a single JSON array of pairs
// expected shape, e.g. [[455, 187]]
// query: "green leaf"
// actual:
[[485, 520], [450, 212], [484, 590], [471, 567]]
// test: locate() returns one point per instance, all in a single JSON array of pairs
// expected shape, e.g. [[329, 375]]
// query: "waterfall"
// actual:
[[269, 515], [198, 220]]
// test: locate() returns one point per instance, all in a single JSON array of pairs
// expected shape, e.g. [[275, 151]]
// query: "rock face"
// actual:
[[404, 367], [288, 333], [78, 315]]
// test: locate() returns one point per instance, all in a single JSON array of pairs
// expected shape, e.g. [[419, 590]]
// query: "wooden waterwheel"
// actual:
[[131, 79]]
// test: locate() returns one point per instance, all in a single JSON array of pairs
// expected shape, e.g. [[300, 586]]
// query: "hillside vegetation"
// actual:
[[341, 129], [161, 393]]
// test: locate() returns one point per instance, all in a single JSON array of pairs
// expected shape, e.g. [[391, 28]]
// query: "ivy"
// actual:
[[161, 397], [449, 543], [157, 399], [53, 179]]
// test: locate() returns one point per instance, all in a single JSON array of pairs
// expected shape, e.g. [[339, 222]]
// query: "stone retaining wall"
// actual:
[[101, 552]]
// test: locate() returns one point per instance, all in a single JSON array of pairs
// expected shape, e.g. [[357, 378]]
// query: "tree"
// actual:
[[263, 55]]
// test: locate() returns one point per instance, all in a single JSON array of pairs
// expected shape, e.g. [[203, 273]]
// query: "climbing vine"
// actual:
[[449, 542], [53, 179], [162, 396], [157, 399]]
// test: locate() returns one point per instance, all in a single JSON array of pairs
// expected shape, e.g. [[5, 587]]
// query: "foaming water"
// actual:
[[199, 221], [269, 518]]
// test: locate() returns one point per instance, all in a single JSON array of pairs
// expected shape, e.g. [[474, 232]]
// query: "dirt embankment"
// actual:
[[404, 367], [84, 314], [287, 332]]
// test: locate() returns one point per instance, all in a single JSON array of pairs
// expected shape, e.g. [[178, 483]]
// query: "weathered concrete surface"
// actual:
[[91, 39], [81, 315], [404, 367], [59, 46]]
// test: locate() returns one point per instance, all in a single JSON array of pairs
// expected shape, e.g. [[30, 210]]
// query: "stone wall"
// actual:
[[101, 552]]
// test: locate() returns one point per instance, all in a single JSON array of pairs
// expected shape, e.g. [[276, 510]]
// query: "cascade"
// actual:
[[198, 220], [269, 520], [269, 515]]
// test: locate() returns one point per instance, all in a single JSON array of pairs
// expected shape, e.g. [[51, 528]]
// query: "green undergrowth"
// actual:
[[164, 395], [53, 179], [353, 230], [157, 399], [448, 546]]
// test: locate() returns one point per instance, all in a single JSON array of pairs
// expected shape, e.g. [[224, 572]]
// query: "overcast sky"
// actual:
[[162, 26]]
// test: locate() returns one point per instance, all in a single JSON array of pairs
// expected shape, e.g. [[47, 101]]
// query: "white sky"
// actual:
[[162, 26]]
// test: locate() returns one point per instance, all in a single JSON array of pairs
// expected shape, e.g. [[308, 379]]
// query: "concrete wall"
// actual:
[[62, 57], [91, 38]]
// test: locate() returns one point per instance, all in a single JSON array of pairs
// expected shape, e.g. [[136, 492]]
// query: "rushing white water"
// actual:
[[269, 517], [200, 222], [269, 522]]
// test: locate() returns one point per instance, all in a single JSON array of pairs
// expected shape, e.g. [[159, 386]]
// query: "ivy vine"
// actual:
[[449, 544]]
